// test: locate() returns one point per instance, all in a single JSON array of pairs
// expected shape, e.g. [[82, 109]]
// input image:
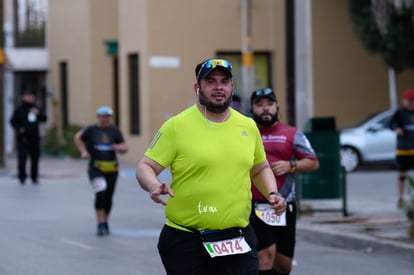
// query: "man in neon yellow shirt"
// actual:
[[212, 151]]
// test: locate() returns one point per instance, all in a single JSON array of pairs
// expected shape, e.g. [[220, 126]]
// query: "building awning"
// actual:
[[27, 59]]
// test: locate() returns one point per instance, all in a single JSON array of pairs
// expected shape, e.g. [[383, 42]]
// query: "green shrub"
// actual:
[[70, 148], [52, 145], [55, 146]]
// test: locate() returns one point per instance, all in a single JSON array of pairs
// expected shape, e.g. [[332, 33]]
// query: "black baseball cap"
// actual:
[[204, 68], [258, 94]]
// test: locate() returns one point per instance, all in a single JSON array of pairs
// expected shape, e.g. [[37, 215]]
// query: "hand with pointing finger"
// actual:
[[162, 189]]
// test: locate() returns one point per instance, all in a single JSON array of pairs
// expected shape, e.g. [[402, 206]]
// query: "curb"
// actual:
[[346, 240]]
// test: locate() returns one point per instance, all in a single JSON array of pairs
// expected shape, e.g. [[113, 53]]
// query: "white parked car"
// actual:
[[368, 141]]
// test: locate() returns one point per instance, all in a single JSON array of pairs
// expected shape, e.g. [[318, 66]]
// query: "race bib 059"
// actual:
[[265, 213]]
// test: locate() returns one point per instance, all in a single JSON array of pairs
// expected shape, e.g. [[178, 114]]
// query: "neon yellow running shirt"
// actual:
[[210, 166]]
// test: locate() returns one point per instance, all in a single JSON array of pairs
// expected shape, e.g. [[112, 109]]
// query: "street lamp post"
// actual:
[[247, 55]]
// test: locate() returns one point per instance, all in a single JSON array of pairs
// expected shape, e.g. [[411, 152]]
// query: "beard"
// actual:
[[265, 122], [217, 108]]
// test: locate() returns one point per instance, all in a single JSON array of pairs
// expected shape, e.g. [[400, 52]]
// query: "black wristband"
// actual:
[[274, 193]]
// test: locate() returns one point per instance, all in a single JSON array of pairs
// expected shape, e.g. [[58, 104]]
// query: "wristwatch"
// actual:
[[292, 166], [274, 193]]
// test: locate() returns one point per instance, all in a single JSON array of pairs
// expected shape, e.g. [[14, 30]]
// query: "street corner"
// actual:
[[391, 228], [357, 232]]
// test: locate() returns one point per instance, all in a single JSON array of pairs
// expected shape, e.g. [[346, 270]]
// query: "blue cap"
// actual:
[[104, 111]]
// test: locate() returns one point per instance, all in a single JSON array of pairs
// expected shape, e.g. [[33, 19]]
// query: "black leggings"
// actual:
[[103, 199]]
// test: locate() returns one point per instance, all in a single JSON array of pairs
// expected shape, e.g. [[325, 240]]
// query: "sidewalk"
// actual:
[[374, 223], [54, 167]]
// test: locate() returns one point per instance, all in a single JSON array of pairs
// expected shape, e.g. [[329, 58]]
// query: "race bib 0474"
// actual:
[[227, 247]]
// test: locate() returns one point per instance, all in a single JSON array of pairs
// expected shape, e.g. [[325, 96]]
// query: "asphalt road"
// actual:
[[50, 229]]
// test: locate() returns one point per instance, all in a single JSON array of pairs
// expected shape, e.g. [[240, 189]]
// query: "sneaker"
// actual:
[[107, 228], [102, 229]]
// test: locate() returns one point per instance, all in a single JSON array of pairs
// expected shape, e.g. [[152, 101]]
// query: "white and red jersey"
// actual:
[[284, 142]]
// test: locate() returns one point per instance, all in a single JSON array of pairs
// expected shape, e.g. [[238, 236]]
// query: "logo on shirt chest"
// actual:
[[206, 208], [274, 138], [104, 138]]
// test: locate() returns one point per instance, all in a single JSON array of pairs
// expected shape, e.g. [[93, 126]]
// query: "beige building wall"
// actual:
[[347, 81], [133, 39], [77, 31], [189, 31], [268, 34], [405, 81], [196, 30], [344, 86], [103, 21], [68, 41]]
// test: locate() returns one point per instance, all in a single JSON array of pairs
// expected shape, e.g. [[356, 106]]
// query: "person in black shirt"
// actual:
[[99, 143], [402, 122], [25, 121]]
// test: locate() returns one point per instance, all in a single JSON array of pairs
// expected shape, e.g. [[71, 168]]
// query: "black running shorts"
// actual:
[[283, 236]]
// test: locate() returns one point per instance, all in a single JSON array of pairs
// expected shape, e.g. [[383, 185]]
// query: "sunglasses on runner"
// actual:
[[258, 94], [208, 66]]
